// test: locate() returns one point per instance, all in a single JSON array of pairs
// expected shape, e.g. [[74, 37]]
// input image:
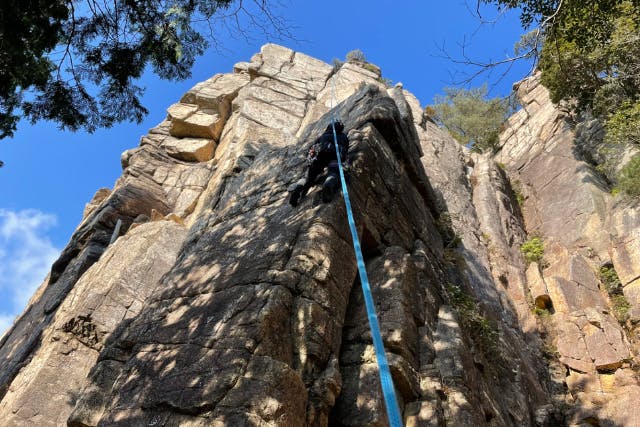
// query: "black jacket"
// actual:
[[323, 149]]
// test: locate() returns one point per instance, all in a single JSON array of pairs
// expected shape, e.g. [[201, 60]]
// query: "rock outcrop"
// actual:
[[193, 294], [568, 204]]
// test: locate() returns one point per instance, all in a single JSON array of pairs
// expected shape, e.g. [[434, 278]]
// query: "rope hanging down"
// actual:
[[388, 391]]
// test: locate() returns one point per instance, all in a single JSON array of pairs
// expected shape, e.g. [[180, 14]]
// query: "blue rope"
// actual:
[[393, 412]]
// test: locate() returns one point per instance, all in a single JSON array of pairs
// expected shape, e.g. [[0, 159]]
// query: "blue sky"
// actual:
[[50, 175]]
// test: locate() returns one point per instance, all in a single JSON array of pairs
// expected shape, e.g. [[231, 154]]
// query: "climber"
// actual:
[[321, 155]]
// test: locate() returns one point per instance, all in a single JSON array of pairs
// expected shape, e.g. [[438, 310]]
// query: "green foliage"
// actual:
[[28, 30], [76, 62], [587, 44], [517, 191], [590, 57], [565, 71], [629, 178], [610, 280], [531, 11], [592, 54], [482, 331], [371, 67], [623, 126], [533, 250], [357, 56], [542, 313], [621, 307], [607, 167], [471, 118], [529, 45]]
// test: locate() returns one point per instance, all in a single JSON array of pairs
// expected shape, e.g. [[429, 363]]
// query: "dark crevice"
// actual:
[[370, 246], [389, 130], [220, 192], [371, 250], [334, 414], [8, 377], [58, 267], [190, 410]]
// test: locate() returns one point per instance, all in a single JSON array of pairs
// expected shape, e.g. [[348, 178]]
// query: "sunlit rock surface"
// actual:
[[568, 205], [193, 294]]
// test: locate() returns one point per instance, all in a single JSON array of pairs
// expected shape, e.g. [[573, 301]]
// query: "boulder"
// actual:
[[190, 149], [204, 109], [188, 121]]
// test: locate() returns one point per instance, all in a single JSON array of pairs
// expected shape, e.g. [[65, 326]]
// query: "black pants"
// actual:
[[316, 169]]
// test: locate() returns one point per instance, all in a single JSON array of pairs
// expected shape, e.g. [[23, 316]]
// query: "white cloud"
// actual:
[[26, 255]]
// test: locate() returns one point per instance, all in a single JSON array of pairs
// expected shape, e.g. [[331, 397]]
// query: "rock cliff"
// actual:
[[193, 294]]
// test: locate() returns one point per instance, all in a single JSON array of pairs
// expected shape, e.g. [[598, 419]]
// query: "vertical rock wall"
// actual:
[[220, 304], [568, 205]]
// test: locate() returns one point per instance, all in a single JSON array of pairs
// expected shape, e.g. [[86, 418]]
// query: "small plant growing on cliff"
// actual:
[[533, 250], [610, 279], [484, 334], [516, 187], [629, 178], [336, 64], [543, 313], [373, 68], [356, 55], [611, 282], [621, 307]]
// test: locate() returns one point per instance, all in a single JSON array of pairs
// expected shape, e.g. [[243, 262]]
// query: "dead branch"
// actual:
[[481, 67]]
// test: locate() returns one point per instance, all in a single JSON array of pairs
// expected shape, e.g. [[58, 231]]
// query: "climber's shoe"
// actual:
[[329, 188], [294, 198]]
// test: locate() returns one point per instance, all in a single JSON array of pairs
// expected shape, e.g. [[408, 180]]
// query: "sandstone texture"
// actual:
[[193, 294]]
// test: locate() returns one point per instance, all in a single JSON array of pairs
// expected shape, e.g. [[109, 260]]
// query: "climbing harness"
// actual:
[[388, 391]]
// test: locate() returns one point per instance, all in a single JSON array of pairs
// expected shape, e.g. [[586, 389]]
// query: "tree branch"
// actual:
[[488, 66]]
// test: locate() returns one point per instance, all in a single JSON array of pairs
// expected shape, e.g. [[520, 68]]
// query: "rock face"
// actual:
[[584, 228], [193, 294]]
